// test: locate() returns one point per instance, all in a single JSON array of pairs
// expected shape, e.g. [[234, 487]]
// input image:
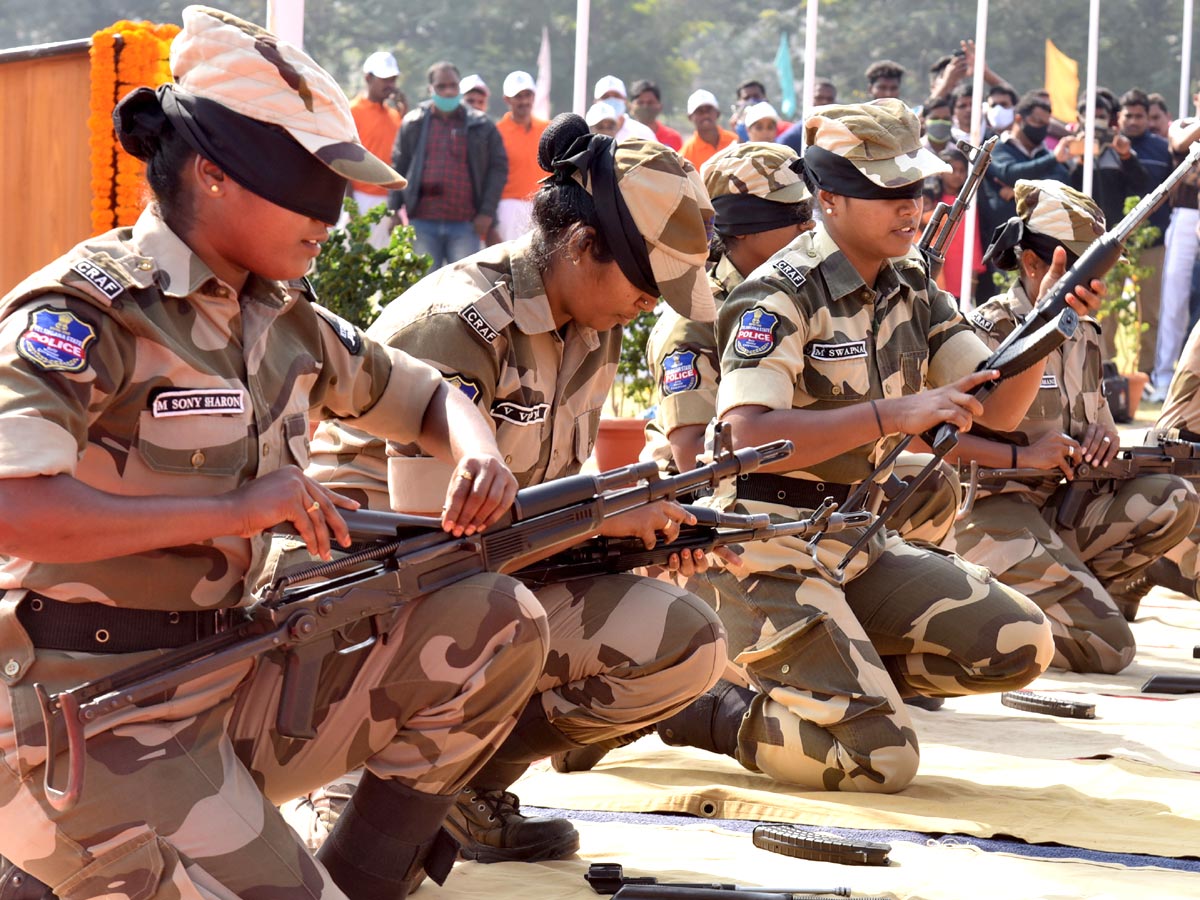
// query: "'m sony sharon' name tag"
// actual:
[[199, 402]]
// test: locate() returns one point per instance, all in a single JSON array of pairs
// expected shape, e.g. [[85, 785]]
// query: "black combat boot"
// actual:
[[711, 721], [387, 839], [486, 820], [17, 884]]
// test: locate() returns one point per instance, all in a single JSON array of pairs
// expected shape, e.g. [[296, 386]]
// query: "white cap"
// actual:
[[701, 98], [598, 112], [756, 111], [472, 83], [607, 85], [515, 82], [381, 64]]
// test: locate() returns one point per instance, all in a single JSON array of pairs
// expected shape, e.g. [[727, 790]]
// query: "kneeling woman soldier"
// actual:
[[832, 345], [157, 384], [530, 330]]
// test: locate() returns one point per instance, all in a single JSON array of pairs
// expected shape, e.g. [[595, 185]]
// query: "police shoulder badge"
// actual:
[[756, 333], [466, 385], [680, 372], [56, 340]]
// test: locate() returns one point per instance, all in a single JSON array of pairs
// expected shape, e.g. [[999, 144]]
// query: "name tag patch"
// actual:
[[756, 333], [680, 373], [198, 402], [475, 319], [791, 273], [520, 415], [105, 283], [847, 350], [1049, 382], [982, 321], [56, 340], [466, 385]]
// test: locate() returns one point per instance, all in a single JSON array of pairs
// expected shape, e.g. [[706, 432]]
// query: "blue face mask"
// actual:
[[617, 104], [447, 104]]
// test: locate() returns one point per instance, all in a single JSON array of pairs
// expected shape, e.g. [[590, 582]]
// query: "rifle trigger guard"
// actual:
[[66, 798], [972, 489], [836, 577]]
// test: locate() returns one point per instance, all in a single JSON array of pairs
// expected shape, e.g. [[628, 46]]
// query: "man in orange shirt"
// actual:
[[377, 124], [709, 137], [520, 132]]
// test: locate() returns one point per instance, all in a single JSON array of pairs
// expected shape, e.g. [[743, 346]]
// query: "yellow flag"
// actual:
[[1062, 81]]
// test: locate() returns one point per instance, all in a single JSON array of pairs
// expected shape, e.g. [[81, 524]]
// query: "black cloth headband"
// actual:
[[836, 174], [1013, 236], [260, 157], [746, 214], [595, 157]]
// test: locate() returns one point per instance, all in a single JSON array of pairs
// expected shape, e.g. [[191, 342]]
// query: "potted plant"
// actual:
[[622, 430], [356, 280], [1124, 282]]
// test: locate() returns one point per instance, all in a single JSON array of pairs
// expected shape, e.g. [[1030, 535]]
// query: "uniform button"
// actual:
[[888, 389], [836, 390], [266, 448], [508, 459], [145, 265], [12, 668], [197, 459], [784, 669]]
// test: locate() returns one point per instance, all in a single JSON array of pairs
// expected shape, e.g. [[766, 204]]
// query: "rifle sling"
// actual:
[[796, 492], [100, 628]]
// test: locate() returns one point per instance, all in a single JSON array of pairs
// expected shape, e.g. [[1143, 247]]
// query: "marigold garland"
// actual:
[[124, 56]]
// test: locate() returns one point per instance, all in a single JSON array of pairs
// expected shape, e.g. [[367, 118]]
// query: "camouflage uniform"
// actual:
[[129, 366], [486, 325], [1180, 417], [1012, 530]]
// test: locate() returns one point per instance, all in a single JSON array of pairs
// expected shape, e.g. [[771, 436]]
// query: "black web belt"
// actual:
[[798, 492], [99, 628]]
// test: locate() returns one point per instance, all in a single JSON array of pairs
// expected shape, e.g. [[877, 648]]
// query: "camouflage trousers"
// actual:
[[179, 799], [833, 662], [1067, 572], [927, 517], [1186, 555]]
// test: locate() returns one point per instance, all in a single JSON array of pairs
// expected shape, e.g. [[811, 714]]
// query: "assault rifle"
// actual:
[[608, 555], [1048, 325], [1169, 456], [944, 221], [404, 559]]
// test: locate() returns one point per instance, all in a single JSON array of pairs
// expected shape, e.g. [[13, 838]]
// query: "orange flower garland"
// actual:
[[124, 56]]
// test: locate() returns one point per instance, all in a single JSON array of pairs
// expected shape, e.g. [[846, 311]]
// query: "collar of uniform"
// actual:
[[725, 275], [177, 270], [531, 306], [1021, 305], [840, 276]]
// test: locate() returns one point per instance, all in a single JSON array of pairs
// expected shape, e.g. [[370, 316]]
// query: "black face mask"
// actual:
[[1035, 134]]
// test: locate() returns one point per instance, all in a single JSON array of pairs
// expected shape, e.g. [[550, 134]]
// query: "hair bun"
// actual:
[[140, 123], [560, 134]]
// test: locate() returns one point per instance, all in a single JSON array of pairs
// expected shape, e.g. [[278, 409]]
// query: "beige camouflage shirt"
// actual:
[[129, 365], [1071, 396], [686, 366], [804, 331], [486, 324]]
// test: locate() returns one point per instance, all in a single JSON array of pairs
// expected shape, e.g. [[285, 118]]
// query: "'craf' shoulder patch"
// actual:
[[481, 326], [791, 273], [466, 385], [56, 340], [350, 336], [680, 372], [981, 321], [756, 333], [98, 278]]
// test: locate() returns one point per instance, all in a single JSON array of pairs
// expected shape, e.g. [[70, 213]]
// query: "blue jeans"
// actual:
[[444, 240]]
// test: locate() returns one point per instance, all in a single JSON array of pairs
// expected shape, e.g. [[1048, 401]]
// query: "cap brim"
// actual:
[[351, 160], [684, 286], [903, 169]]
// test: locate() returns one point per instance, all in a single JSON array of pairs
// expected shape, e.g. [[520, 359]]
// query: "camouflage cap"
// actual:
[[1052, 209], [757, 169], [881, 139], [671, 209], [247, 69]]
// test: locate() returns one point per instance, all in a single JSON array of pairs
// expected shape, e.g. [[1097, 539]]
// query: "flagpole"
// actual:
[[285, 19], [1185, 64], [810, 58], [583, 15], [970, 226], [1089, 130], [541, 93]]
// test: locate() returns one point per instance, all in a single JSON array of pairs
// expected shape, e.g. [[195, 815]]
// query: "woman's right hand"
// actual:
[[1052, 450], [920, 412], [288, 495]]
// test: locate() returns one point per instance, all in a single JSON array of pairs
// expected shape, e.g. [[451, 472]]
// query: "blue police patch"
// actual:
[[466, 385], [756, 333], [56, 340], [680, 373]]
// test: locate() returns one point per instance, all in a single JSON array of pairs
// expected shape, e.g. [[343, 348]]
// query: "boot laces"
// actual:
[[497, 804]]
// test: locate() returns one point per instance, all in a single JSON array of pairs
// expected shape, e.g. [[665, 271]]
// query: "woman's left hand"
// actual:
[[1099, 445], [647, 522], [480, 492]]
